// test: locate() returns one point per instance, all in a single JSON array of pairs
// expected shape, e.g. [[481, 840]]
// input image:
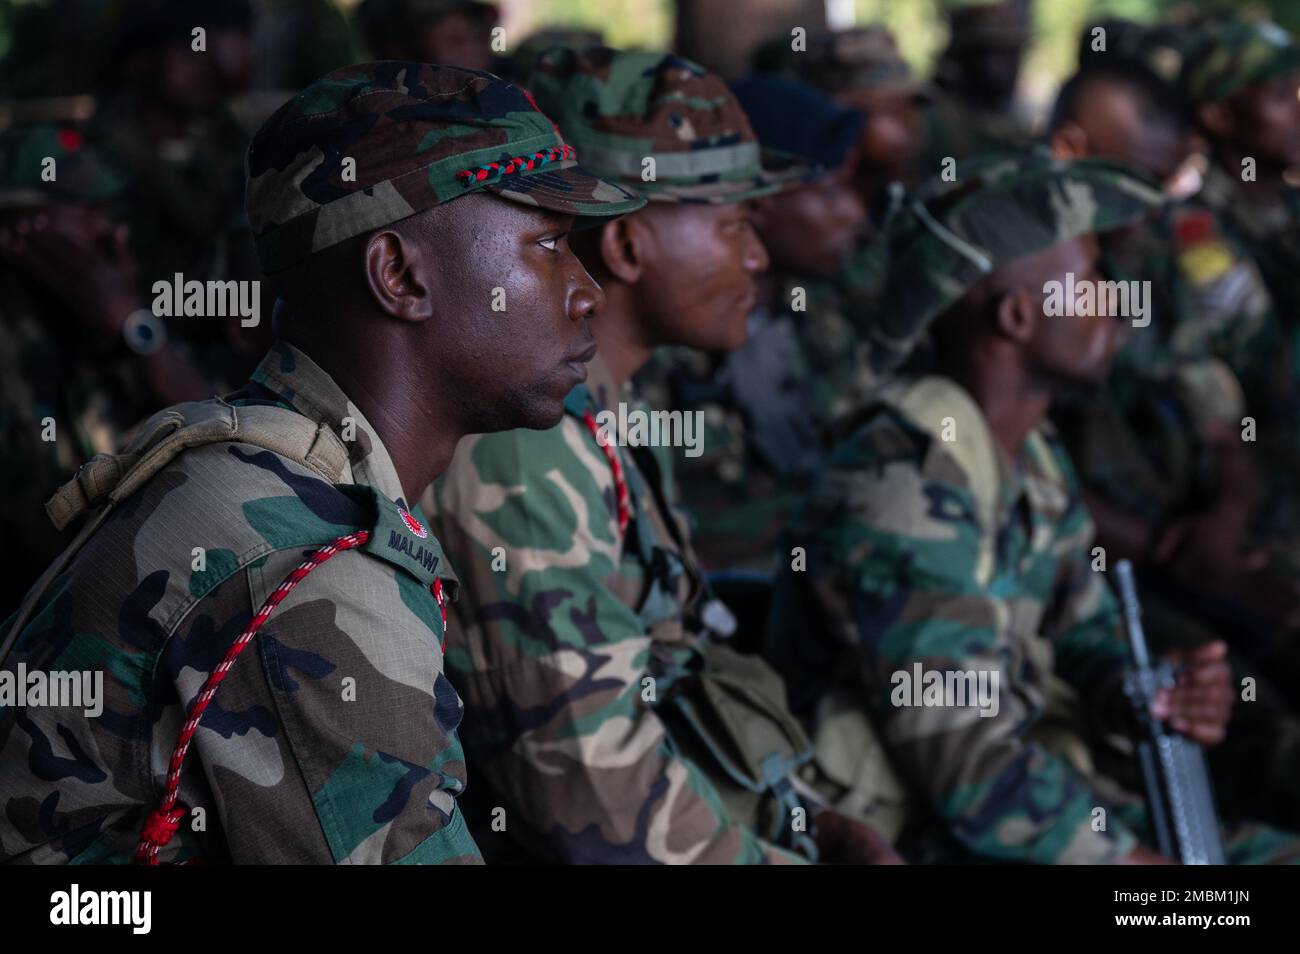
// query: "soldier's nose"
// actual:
[[586, 301]]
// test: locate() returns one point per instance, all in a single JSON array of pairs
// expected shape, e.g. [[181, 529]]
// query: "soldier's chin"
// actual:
[[543, 414]]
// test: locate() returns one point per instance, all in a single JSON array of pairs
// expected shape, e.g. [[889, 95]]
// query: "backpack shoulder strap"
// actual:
[[107, 479], [111, 478]]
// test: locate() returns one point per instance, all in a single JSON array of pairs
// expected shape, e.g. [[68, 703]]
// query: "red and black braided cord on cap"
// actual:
[[616, 466], [163, 822], [527, 163]]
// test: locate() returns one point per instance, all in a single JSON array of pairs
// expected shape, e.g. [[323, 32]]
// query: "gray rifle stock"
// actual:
[[1179, 796]]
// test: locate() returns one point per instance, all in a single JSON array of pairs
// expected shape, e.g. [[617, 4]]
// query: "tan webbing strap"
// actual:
[[108, 479]]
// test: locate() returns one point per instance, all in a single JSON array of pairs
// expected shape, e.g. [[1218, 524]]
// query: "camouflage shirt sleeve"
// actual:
[[333, 739], [553, 662], [900, 573]]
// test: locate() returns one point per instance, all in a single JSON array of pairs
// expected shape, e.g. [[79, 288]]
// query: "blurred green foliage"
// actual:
[[627, 24]]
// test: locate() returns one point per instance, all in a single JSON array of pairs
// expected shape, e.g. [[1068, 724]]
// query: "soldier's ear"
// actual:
[[1069, 141], [1017, 315], [400, 278], [1216, 118], [622, 248]]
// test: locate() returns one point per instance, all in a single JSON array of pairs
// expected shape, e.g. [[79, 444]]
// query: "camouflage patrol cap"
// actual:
[[859, 58], [944, 239], [366, 146], [1233, 53], [623, 108], [80, 175]]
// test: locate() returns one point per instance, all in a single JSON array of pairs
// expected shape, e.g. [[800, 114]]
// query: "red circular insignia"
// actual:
[[412, 524]]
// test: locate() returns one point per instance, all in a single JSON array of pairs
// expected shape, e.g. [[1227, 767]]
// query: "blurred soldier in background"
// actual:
[[1243, 83], [766, 404], [974, 108], [83, 360], [862, 69], [166, 127]]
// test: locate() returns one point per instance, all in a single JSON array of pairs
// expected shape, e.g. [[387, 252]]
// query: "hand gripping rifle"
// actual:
[[1179, 796]]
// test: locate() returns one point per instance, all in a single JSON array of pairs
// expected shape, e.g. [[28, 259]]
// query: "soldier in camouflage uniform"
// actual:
[[377, 198], [79, 366], [948, 535], [605, 713], [1165, 473], [973, 109], [863, 69], [768, 403]]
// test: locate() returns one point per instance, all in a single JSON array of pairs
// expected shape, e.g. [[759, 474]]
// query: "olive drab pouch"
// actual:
[[727, 713], [852, 770]]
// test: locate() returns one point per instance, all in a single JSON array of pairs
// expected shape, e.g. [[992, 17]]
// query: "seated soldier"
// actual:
[[1164, 470], [948, 536], [335, 739], [605, 715], [768, 403]]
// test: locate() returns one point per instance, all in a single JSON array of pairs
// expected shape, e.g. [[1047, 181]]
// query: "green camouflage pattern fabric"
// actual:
[[951, 555], [49, 163], [941, 241], [1234, 53], [332, 739], [623, 109], [568, 636], [767, 410], [369, 145], [954, 129]]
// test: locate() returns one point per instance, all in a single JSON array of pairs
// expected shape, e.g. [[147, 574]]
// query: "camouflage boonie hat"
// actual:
[[860, 58], [80, 175], [1233, 53], [416, 136], [622, 108], [944, 239]]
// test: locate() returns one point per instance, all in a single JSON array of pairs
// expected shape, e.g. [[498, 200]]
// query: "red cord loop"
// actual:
[[163, 821], [616, 466]]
